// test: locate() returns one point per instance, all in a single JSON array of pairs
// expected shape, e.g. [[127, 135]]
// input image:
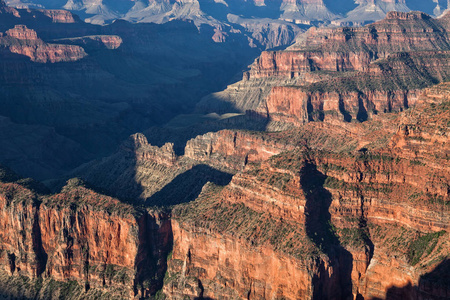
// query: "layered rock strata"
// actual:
[[357, 224], [345, 73], [78, 235]]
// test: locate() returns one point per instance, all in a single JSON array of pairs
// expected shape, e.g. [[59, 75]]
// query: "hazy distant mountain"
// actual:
[[216, 11]]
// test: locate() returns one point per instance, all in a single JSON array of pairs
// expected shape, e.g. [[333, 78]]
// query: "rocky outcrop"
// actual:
[[295, 105], [140, 170], [60, 16], [338, 212], [367, 229], [233, 149], [139, 146], [291, 64], [325, 210], [354, 49], [24, 41], [95, 42], [304, 12], [235, 269], [21, 32]]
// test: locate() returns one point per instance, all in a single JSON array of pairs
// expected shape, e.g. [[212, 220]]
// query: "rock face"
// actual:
[[60, 16], [297, 12], [94, 84], [328, 210], [234, 269], [21, 32], [353, 49], [140, 170], [79, 235], [95, 41], [233, 149]]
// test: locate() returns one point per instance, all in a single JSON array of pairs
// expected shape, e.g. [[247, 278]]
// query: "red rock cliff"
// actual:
[[79, 235]]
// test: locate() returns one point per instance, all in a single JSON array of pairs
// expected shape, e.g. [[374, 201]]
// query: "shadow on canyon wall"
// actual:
[[179, 136], [187, 186], [320, 231], [71, 118]]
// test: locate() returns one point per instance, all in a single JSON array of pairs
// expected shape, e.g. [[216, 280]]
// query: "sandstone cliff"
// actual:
[[102, 247], [140, 170], [332, 210]]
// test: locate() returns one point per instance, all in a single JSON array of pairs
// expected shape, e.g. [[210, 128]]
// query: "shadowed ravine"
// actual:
[[319, 229], [187, 186]]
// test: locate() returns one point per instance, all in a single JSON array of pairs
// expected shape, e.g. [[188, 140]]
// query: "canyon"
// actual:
[[323, 174], [323, 211], [93, 86]]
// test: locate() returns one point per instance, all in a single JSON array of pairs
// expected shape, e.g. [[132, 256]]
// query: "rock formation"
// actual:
[[303, 12], [353, 225], [94, 241], [24, 41], [96, 85], [349, 73]]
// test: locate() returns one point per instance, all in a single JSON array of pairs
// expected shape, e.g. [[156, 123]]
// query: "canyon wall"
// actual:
[[342, 232], [352, 202], [300, 219], [357, 225], [83, 237]]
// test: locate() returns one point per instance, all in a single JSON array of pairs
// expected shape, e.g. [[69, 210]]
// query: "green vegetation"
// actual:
[[424, 244], [275, 179], [331, 167], [416, 163], [414, 245], [334, 183], [354, 236], [78, 194]]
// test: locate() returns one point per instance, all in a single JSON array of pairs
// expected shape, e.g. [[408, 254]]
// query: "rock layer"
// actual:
[[79, 235]]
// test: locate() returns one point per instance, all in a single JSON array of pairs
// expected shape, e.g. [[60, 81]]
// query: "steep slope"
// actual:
[[369, 11], [328, 210], [347, 196], [157, 176], [305, 12], [24, 41], [78, 244], [223, 19]]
